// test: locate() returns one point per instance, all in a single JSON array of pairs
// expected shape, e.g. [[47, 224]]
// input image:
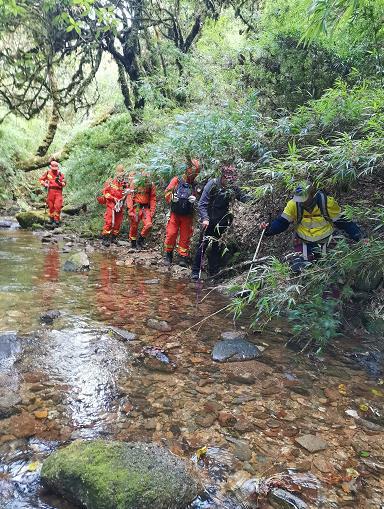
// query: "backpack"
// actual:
[[321, 200], [183, 191]]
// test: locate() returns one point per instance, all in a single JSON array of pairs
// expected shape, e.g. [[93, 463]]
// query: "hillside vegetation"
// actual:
[[291, 90]]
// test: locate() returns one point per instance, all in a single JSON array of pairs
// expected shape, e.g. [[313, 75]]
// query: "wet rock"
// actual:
[[311, 443], [74, 209], [9, 403], [159, 325], [242, 450], [234, 350], [226, 419], [77, 262], [9, 347], [28, 219], [206, 420], [123, 334], [282, 499], [49, 316], [5, 223], [151, 281], [232, 335], [156, 359], [100, 474]]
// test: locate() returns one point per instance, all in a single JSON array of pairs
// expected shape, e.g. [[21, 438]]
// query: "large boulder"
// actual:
[[119, 475], [77, 262], [30, 218], [73, 210]]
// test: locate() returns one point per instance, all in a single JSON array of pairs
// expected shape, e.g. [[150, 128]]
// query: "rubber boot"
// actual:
[[134, 244], [141, 242], [56, 224], [106, 241], [114, 240], [168, 257]]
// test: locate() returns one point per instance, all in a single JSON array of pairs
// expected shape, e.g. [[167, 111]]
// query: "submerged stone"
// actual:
[[28, 219], [282, 499], [160, 325], [311, 443], [232, 335], [77, 262], [156, 359], [9, 403], [120, 475], [234, 350]]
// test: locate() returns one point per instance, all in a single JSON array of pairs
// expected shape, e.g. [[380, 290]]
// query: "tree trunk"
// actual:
[[124, 87], [52, 128], [54, 121]]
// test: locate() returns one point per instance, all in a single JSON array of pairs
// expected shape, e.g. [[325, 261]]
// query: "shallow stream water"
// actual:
[[79, 378]]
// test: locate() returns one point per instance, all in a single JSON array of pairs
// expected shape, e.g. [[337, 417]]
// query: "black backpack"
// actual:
[[183, 191], [321, 200]]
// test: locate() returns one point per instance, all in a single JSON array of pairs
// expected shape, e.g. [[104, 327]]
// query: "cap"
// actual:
[[302, 192]]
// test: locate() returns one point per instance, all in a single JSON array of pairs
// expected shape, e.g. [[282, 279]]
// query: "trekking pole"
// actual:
[[254, 257]]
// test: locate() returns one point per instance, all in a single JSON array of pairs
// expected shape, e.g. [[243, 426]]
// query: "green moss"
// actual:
[[106, 475], [30, 218]]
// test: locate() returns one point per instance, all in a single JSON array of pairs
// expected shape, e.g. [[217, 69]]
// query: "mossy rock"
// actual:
[[373, 324], [77, 262], [30, 218], [103, 474]]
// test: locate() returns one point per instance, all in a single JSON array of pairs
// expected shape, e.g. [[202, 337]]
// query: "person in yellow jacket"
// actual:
[[315, 217]]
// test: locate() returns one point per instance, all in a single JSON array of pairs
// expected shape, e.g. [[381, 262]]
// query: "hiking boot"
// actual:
[[106, 241], [56, 224], [168, 257], [114, 240], [141, 242], [51, 220], [195, 276], [134, 244]]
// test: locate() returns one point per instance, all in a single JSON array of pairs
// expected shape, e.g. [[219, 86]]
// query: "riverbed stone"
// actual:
[[232, 335], [311, 443], [77, 262], [121, 475], [124, 334], [159, 325], [9, 403], [29, 218], [48, 316], [155, 359], [282, 499], [234, 350]]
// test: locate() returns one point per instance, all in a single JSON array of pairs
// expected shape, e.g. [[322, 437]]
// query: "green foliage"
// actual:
[[313, 300]]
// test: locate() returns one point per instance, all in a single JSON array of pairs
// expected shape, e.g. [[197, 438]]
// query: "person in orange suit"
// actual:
[[114, 192], [141, 204], [181, 195], [54, 181]]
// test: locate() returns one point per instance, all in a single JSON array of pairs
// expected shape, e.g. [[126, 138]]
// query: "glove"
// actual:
[[192, 199], [57, 180], [175, 198], [263, 226], [46, 184], [205, 223]]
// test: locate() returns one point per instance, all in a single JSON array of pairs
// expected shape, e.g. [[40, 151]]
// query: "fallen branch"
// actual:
[[239, 266], [36, 162]]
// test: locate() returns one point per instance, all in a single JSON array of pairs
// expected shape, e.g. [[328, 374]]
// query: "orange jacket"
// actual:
[[142, 196], [113, 191], [49, 177]]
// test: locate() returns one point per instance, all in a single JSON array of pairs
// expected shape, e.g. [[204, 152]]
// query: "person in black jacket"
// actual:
[[215, 218]]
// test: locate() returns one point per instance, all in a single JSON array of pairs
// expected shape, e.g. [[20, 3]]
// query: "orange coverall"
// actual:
[[113, 191], [180, 224], [141, 205], [54, 181]]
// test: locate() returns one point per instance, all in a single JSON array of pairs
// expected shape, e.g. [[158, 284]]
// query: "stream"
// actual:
[[81, 377]]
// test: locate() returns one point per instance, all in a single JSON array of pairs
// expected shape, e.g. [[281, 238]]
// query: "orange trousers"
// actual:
[[112, 221], [182, 225], [141, 214], [55, 203]]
